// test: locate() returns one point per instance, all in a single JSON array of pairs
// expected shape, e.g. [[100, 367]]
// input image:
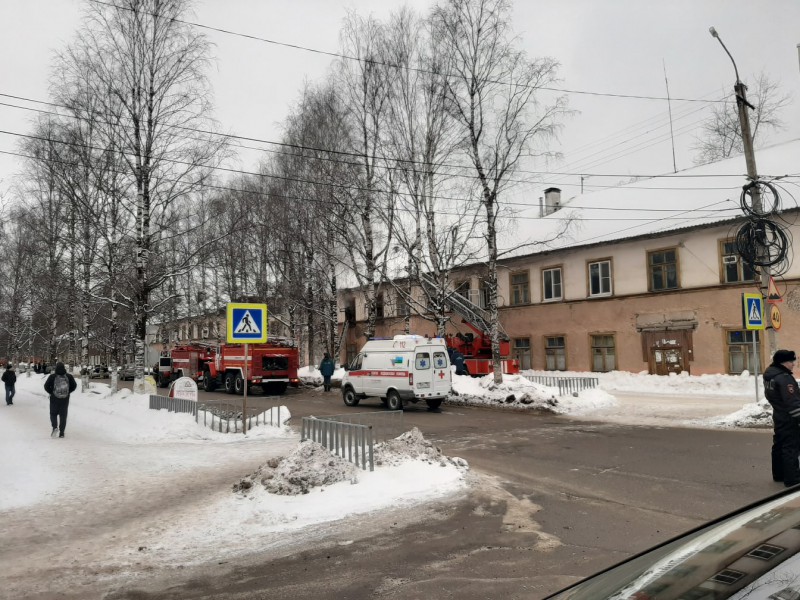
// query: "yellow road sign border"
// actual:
[[229, 322]]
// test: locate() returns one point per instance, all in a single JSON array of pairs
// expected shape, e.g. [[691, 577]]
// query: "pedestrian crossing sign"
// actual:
[[753, 309], [247, 323]]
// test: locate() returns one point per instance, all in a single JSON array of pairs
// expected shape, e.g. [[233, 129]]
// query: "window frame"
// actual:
[[723, 271], [560, 270], [528, 348], [592, 348], [651, 270], [548, 351], [747, 344], [601, 293], [524, 288]]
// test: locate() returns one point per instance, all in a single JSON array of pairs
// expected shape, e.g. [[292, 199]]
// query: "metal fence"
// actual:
[[179, 405], [227, 418], [565, 385], [222, 417], [353, 436]]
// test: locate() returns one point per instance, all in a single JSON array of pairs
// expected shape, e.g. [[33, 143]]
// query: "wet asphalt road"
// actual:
[[556, 499]]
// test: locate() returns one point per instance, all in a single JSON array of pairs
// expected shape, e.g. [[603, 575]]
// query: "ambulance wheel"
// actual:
[[208, 382], [394, 401], [238, 384], [433, 404], [229, 383], [349, 396]]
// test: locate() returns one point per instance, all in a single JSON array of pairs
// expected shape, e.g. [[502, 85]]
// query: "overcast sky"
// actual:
[[618, 47]]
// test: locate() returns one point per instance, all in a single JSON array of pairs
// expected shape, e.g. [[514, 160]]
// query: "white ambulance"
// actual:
[[407, 368]]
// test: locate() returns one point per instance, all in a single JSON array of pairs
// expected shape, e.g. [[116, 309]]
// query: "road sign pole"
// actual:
[[244, 397]]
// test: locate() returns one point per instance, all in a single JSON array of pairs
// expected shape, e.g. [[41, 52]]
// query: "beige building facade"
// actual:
[[660, 303]]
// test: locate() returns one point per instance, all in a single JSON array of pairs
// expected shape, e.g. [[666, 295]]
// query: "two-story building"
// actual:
[[647, 276]]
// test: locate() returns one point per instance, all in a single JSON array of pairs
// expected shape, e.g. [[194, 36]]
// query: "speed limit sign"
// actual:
[[775, 317]]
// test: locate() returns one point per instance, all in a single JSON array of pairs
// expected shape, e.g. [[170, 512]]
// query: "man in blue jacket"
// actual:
[[326, 368], [780, 388]]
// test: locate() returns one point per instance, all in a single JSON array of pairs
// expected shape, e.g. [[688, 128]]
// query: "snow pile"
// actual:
[[413, 446], [518, 392], [311, 465], [752, 416], [310, 376], [673, 384]]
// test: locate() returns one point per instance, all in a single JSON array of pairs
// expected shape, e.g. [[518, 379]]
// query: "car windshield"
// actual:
[[751, 554]]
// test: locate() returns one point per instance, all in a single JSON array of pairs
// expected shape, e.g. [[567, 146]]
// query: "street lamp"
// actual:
[[742, 105]]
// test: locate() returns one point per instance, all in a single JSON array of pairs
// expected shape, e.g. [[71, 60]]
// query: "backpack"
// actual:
[[61, 387]]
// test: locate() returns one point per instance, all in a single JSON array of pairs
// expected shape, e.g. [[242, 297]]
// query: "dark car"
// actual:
[[98, 372], [749, 554]]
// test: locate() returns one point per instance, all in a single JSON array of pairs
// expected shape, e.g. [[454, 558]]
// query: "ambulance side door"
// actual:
[[355, 374], [423, 372], [441, 372]]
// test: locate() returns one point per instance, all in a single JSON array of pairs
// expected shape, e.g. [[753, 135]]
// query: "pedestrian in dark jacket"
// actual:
[[326, 368], [780, 388], [10, 379], [59, 385]]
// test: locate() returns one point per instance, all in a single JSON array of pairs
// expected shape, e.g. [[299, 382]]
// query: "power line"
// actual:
[[271, 194], [355, 154], [392, 65]]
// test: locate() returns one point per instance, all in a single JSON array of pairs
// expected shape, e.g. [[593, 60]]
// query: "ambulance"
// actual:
[[406, 368]]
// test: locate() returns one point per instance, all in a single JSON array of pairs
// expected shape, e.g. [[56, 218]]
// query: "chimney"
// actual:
[[541, 207], [552, 200]]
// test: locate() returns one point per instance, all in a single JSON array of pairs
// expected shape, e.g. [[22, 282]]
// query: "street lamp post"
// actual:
[[740, 90]]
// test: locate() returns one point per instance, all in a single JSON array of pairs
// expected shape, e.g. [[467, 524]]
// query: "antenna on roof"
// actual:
[[669, 106]]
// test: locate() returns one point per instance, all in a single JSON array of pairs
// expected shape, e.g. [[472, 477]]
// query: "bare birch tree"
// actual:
[[721, 133], [150, 67], [493, 90]]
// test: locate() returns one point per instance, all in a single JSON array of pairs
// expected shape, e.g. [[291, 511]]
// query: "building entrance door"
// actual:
[[667, 360]]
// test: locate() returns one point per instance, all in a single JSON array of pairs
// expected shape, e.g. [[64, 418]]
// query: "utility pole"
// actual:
[[740, 89]]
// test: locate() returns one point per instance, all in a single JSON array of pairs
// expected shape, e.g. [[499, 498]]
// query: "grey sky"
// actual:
[[605, 47]]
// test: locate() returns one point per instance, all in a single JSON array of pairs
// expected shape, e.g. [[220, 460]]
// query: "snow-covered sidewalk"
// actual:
[[134, 491]]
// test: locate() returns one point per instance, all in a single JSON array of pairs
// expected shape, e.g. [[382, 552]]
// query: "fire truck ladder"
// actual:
[[471, 313]]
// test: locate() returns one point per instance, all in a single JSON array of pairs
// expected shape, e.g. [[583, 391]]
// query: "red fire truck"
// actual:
[[182, 361], [273, 366]]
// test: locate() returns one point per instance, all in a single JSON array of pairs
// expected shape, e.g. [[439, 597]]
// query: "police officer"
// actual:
[[780, 388]]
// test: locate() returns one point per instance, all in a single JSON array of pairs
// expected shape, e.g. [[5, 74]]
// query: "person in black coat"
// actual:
[[10, 379], [59, 385], [780, 388]]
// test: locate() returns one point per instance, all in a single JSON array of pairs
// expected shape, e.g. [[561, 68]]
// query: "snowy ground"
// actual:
[[132, 491]]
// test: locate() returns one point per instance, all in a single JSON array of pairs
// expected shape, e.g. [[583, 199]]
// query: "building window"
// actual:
[[462, 288], [741, 354], [205, 332], [551, 284], [403, 309], [555, 353], [662, 268], [733, 270], [727, 576], [603, 353], [600, 278], [379, 306], [520, 289], [522, 352], [765, 552]]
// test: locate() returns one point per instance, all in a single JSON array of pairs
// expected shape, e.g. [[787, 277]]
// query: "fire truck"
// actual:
[[475, 346], [182, 361], [272, 365]]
